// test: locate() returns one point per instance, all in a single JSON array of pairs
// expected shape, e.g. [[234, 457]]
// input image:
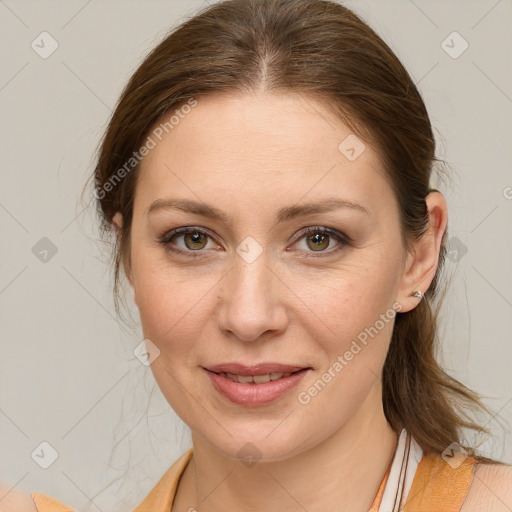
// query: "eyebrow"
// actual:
[[284, 214]]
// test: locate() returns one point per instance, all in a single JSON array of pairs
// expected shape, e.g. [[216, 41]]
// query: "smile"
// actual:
[[255, 390]]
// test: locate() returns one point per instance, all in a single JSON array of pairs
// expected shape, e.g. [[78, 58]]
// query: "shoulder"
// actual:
[[491, 489], [15, 501]]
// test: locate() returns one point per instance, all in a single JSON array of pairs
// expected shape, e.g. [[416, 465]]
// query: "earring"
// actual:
[[417, 293]]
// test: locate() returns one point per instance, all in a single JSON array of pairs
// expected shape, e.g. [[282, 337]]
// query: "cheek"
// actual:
[[351, 315], [358, 312], [349, 333], [172, 302], [357, 290]]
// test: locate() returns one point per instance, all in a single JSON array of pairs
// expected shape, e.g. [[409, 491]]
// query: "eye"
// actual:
[[193, 240], [318, 239]]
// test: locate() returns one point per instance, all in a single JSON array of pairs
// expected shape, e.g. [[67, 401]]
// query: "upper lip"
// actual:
[[258, 369]]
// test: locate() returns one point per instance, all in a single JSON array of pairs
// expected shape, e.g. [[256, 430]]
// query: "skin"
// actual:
[[249, 156]]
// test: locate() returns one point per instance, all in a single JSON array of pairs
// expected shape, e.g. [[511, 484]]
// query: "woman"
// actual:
[[267, 173]]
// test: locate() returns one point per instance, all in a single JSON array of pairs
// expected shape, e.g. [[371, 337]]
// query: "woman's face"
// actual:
[[251, 286]]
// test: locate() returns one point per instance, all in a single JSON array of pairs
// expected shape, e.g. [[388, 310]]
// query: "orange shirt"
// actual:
[[436, 487]]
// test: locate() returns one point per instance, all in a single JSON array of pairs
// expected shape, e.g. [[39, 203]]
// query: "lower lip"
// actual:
[[253, 395]]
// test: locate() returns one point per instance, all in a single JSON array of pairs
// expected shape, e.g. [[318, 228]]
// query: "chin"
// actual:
[[249, 448]]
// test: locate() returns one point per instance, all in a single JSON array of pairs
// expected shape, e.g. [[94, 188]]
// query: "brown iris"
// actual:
[[195, 239], [318, 238]]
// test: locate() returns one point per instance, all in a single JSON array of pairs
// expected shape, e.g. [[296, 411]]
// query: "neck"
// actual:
[[342, 473]]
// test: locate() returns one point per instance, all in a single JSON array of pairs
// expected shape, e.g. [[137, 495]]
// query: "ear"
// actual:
[[423, 259], [117, 222]]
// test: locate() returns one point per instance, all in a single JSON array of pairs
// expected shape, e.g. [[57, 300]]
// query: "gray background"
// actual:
[[68, 375]]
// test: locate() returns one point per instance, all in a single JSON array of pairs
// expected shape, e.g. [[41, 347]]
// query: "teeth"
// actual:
[[261, 379], [243, 378], [256, 379]]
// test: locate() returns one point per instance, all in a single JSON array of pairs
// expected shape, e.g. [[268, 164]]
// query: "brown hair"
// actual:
[[320, 48]]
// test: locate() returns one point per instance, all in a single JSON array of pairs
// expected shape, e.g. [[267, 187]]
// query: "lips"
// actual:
[[254, 388], [258, 369]]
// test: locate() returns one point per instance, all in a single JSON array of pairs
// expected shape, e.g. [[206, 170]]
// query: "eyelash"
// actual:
[[344, 240]]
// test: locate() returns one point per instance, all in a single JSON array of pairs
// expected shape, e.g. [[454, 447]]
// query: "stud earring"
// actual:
[[417, 293]]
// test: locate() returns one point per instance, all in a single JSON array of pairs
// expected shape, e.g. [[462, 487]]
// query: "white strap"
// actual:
[[403, 468]]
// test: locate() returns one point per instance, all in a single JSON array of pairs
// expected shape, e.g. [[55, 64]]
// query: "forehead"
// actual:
[[275, 145]]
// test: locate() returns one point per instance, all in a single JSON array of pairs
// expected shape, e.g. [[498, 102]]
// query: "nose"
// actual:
[[252, 301]]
